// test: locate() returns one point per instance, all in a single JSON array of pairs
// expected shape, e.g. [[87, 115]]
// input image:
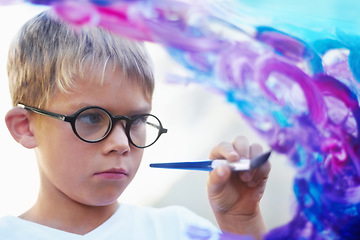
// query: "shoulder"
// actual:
[[8, 223], [15, 228], [11, 228]]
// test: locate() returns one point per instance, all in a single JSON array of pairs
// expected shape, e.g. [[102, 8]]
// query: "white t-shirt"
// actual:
[[128, 222]]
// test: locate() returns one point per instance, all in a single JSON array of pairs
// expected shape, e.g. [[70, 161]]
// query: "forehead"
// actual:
[[91, 78], [111, 90]]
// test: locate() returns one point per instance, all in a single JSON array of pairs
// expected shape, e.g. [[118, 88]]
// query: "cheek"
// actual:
[[59, 146], [68, 169], [137, 158], [61, 159], [49, 130]]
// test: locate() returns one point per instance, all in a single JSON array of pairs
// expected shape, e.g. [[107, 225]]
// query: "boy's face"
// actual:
[[93, 174]]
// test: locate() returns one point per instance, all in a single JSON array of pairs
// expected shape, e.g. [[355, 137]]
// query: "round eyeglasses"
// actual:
[[94, 124]]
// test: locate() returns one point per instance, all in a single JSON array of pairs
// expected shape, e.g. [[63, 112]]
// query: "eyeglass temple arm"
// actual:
[[162, 130], [43, 112]]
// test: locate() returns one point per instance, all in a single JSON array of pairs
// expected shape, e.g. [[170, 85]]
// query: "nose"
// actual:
[[117, 141]]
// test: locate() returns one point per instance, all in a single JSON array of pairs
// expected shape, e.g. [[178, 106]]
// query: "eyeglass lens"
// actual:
[[94, 124]]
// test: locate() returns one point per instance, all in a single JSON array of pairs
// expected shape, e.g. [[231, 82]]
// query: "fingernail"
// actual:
[[234, 154]]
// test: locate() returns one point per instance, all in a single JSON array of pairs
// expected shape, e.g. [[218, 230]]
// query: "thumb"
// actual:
[[217, 179]]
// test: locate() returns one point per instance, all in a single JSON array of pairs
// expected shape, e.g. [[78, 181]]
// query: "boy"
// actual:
[[82, 100]]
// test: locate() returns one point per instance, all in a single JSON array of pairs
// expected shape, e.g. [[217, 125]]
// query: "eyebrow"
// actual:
[[140, 111], [132, 112]]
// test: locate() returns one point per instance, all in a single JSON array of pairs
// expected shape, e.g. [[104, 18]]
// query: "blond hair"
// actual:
[[48, 55]]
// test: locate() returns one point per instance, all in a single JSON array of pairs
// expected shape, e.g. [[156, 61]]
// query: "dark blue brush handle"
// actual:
[[200, 166]]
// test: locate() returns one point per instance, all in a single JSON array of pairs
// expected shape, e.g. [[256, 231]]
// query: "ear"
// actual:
[[19, 123]]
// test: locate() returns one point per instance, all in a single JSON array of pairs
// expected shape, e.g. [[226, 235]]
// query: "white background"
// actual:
[[197, 119]]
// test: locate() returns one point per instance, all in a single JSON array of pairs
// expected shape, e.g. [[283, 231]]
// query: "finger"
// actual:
[[261, 175], [241, 145], [217, 179], [254, 151], [224, 150]]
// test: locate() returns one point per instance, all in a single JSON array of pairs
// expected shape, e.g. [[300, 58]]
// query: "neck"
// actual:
[[68, 215]]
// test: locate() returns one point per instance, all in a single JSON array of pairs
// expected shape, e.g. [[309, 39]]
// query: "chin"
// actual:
[[101, 200], [106, 201]]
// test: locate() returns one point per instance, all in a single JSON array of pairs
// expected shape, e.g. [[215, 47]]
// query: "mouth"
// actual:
[[114, 173]]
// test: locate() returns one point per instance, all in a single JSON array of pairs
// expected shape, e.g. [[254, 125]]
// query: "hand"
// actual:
[[235, 196]]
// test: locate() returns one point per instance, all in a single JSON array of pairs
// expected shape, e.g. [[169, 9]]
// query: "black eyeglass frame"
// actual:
[[113, 120]]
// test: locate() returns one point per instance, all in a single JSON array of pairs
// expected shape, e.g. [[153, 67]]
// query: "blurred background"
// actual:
[[197, 120]]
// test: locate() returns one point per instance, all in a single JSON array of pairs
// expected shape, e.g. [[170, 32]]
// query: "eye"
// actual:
[[92, 117], [92, 124], [139, 120]]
